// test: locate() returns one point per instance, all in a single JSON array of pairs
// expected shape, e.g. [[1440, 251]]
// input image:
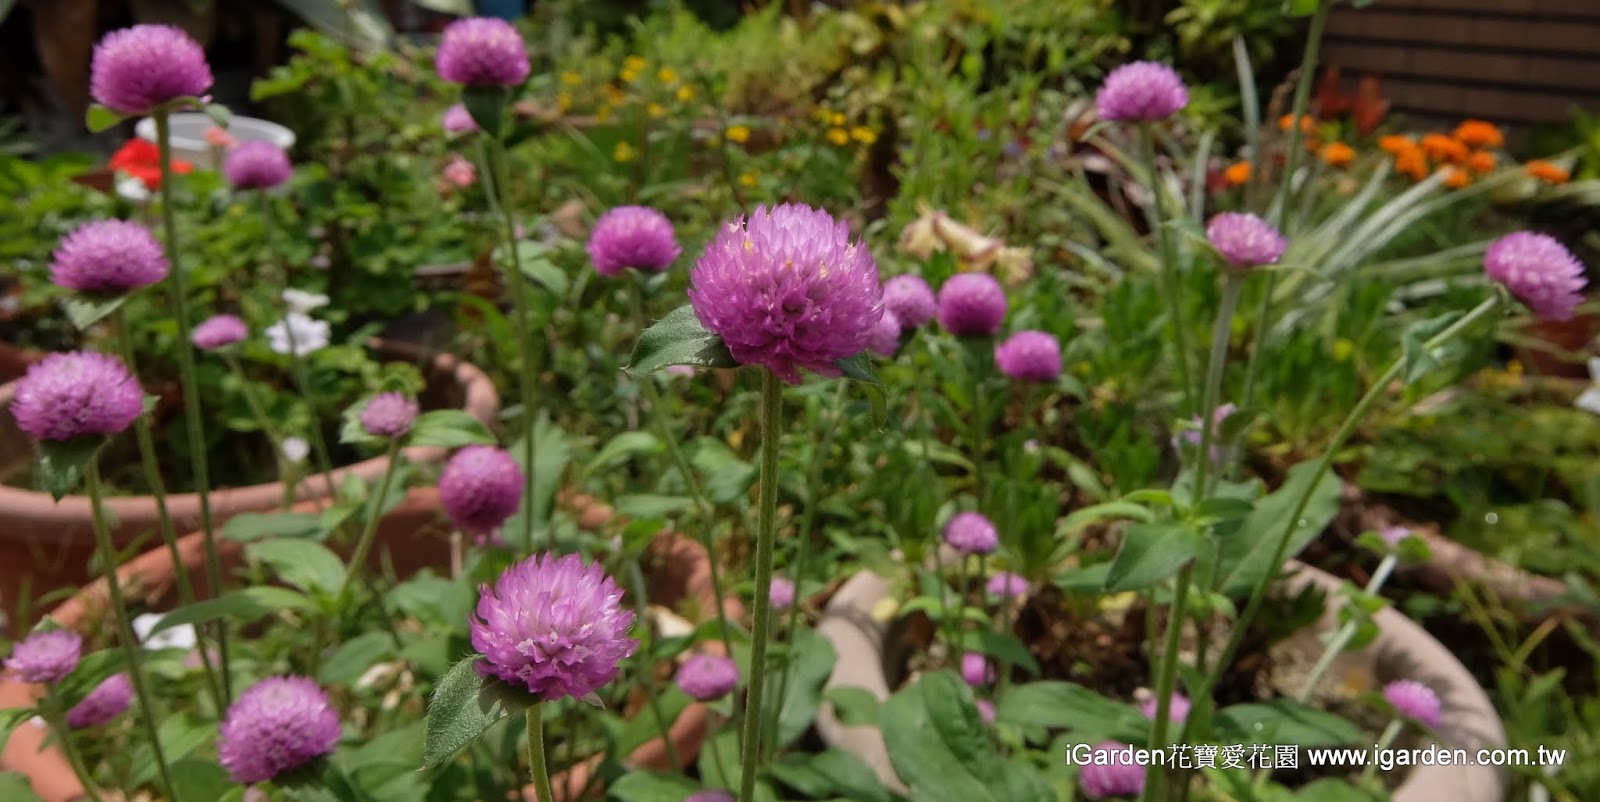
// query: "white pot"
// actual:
[[188, 135]]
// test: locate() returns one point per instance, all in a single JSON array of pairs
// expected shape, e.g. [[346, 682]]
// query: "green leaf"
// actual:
[[1050, 704], [646, 505], [195, 779], [630, 734], [305, 564], [463, 705], [1247, 553], [61, 462], [678, 339], [243, 605], [321, 780], [1301, 8], [539, 269], [487, 105], [86, 311], [10, 719], [622, 447], [829, 774], [727, 477], [854, 707], [1332, 789], [940, 747], [1150, 553], [813, 657], [14, 787], [651, 786], [252, 526], [1283, 721], [1094, 513], [385, 767], [1416, 358], [448, 428], [180, 735], [858, 369], [100, 118], [354, 657], [220, 115], [1001, 646]]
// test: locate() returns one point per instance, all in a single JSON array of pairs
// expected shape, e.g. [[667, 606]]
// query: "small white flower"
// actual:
[[133, 189], [298, 334], [181, 636], [304, 302], [1589, 399], [295, 449]]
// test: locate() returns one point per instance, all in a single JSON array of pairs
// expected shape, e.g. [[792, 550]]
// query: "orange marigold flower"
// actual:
[[1308, 123], [1457, 178], [1237, 173], [1547, 171], [1481, 161], [1442, 148], [1338, 154], [1412, 162], [1395, 144], [1479, 134]]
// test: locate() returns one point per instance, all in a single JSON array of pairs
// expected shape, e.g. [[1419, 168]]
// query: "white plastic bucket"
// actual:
[[188, 135]]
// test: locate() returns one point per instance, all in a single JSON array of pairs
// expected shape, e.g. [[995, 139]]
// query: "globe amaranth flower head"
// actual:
[[104, 703], [785, 288], [277, 724], [554, 626], [1177, 709], [1007, 584], [108, 256], [218, 331], [885, 338], [910, 299], [457, 120], [74, 394], [632, 236], [1110, 771], [1031, 356], [482, 51], [972, 305], [780, 594], [136, 69], [705, 677], [1142, 91], [45, 656], [971, 533], [1537, 269], [480, 487], [389, 414], [975, 669], [257, 164], [1244, 240], [1414, 700]]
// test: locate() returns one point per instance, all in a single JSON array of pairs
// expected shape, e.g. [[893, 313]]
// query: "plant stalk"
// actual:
[[536, 760], [1347, 631], [53, 716], [1166, 679], [1216, 367], [771, 423], [369, 530], [1169, 271]]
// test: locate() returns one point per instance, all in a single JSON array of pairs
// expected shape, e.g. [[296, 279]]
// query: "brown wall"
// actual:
[[1517, 62]]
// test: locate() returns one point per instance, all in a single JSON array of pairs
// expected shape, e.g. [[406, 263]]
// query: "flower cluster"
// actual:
[[277, 724]]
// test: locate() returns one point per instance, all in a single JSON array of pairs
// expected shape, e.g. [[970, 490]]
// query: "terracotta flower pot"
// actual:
[[46, 544], [1402, 650]]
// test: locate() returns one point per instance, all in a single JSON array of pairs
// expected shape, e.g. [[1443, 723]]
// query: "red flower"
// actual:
[[142, 160]]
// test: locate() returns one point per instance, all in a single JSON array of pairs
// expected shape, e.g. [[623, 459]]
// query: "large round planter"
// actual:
[[46, 545], [1402, 650]]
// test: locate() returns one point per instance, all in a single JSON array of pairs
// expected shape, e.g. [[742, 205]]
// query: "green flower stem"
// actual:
[[158, 489], [191, 387], [1169, 271], [960, 643], [1390, 733], [771, 434], [1342, 637], [264, 421], [1166, 679], [369, 530], [644, 669], [536, 761], [947, 616], [1215, 368], [979, 351], [1291, 522], [50, 711], [130, 643]]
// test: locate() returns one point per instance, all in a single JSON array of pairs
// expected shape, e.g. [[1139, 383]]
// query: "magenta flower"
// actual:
[[257, 164], [108, 256], [389, 414], [975, 669], [1244, 240], [1177, 709], [479, 488], [457, 120], [218, 331], [971, 533], [1007, 584], [1142, 91], [482, 51], [77, 393], [972, 305], [632, 236], [1414, 700], [277, 724], [45, 656], [137, 69], [1540, 271], [554, 626], [986, 711], [705, 677], [780, 594], [1111, 771], [910, 299], [104, 703], [885, 335], [787, 289], [1031, 356]]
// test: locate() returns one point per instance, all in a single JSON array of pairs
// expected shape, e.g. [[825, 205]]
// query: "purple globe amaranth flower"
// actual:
[[986, 711], [46, 656], [75, 394], [389, 414], [553, 626], [1177, 709], [482, 51], [457, 120], [785, 288], [632, 236], [1244, 240], [137, 69], [257, 164], [1414, 700], [1111, 770], [885, 338], [1540, 271], [710, 795], [971, 533], [108, 256], [705, 677], [975, 669], [479, 488], [1007, 584], [1031, 356], [104, 703], [1142, 91], [277, 724], [780, 594], [972, 305], [910, 299], [218, 331]]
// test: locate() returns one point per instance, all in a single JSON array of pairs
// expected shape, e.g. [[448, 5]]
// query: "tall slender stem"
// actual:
[[51, 713], [1215, 368], [119, 608], [264, 421], [766, 523], [1166, 679], [1169, 271], [646, 674], [191, 387], [369, 531], [978, 366], [1342, 637], [1390, 733], [536, 760]]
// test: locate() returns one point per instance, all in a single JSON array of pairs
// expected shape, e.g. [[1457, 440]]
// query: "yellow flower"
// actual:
[[837, 119], [685, 93], [863, 134], [1342, 348], [748, 179], [633, 63], [571, 78], [667, 75], [623, 152], [564, 101], [839, 136], [655, 110], [629, 76], [738, 133]]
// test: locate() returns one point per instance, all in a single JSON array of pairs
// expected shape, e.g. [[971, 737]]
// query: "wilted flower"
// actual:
[[910, 299], [136, 69], [277, 724], [1111, 771], [298, 335], [108, 256], [218, 331], [482, 51], [457, 120], [1033, 356], [1414, 700], [787, 289], [554, 626], [975, 669], [257, 164], [77, 393], [1177, 709], [104, 703], [1142, 91], [780, 594], [1539, 271], [706, 677], [389, 414], [480, 487], [45, 656], [1007, 584], [632, 236], [885, 335], [971, 533], [1245, 240], [972, 305]]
